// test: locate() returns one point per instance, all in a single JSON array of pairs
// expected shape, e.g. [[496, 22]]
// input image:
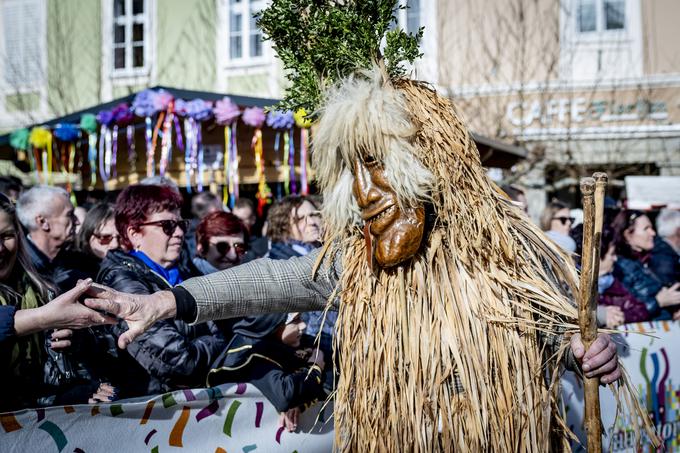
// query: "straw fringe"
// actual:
[[481, 306]]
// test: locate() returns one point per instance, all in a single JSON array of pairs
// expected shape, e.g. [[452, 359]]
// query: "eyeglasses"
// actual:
[[224, 247], [105, 239], [169, 226], [564, 220]]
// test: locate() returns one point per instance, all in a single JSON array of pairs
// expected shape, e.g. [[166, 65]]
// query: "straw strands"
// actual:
[[459, 349]]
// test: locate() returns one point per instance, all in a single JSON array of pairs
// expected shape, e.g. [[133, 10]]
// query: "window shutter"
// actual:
[[22, 27]]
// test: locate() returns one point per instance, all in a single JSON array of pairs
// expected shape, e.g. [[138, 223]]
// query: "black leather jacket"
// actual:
[[172, 353]]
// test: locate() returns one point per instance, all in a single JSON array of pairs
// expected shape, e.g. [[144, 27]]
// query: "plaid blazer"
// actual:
[[266, 286]]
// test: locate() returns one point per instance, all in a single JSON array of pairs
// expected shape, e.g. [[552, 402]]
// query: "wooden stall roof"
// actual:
[[493, 153]]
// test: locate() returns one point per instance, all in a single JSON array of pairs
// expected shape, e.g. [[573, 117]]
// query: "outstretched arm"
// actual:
[[261, 286]]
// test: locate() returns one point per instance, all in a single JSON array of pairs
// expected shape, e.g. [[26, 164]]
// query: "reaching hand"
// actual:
[[317, 358], [615, 316], [600, 360], [60, 339], [105, 393], [140, 311], [669, 296], [65, 312], [289, 419]]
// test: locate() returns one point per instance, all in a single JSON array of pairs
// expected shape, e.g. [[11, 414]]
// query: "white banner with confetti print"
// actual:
[[651, 354], [229, 418]]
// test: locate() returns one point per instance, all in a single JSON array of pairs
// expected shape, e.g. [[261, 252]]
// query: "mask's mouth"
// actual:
[[376, 213]]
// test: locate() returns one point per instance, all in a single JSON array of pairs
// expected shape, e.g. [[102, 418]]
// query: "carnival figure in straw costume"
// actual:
[[454, 309]]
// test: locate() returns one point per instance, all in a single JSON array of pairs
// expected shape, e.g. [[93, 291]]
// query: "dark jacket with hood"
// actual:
[[255, 356], [172, 353], [665, 262], [642, 283]]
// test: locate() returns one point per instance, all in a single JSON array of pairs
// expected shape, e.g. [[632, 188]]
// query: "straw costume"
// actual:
[[459, 347]]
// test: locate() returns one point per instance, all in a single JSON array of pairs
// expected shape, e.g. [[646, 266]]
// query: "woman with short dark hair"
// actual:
[[172, 353], [635, 241], [221, 242], [98, 232]]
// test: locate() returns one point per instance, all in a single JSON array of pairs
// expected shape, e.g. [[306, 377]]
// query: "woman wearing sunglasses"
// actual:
[[634, 245], [172, 354], [556, 221], [98, 232], [221, 242]]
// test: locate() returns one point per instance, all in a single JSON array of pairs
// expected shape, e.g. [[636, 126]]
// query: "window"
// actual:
[[407, 13], [23, 34], [130, 35], [614, 14], [245, 38], [600, 15]]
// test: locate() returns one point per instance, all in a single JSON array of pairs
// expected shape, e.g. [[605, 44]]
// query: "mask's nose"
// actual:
[[364, 190]]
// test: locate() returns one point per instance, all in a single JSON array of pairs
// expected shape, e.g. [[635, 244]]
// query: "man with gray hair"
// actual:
[[48, 216], [665, 261]]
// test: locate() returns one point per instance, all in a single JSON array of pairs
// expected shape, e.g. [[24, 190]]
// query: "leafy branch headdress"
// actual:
[[322, 41]]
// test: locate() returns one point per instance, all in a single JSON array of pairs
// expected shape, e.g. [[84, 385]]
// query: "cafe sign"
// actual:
[[562, 111]]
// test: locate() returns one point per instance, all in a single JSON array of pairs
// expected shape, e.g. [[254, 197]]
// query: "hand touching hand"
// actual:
[[64, 312], [140, 311]]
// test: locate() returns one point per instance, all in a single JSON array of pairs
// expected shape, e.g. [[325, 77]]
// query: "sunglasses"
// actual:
[[169, 226], [564, 220], [224, 247], [105, 239]]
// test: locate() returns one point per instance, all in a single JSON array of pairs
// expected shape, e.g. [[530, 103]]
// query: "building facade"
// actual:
[[585, 85], [59, 56], [582, 84]]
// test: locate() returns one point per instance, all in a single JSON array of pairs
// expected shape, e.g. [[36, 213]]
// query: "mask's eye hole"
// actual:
[[369, 160]]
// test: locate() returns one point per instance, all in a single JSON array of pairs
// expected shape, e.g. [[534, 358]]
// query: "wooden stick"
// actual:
[[593, 213]]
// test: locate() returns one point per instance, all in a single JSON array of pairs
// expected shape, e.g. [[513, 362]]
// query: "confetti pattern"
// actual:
[[656, 379], [178, 430], [55, 433], [191, 422], [230, 417]]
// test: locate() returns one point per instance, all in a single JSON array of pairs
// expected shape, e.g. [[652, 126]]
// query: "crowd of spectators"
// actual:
[[51, 251], [142, 244], [639, 272]]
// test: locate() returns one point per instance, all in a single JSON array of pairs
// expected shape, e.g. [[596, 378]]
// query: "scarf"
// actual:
[[26, 351], [171, 274]]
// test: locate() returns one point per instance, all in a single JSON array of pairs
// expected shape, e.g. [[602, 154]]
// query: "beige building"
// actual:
[[583, 84]]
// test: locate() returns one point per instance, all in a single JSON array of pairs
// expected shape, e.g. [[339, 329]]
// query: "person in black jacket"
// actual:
[[47, 214], [33, 373], [264, 352], [172, 354]]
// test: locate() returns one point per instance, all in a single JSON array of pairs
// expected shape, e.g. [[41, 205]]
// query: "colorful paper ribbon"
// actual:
[[263, 191], [304, 142], [150, 158], [166, 139], [132, 155]]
